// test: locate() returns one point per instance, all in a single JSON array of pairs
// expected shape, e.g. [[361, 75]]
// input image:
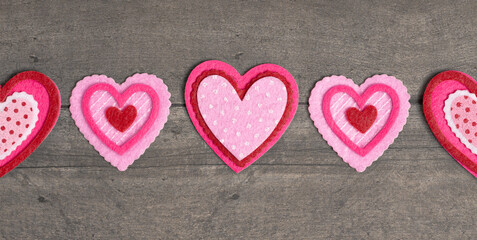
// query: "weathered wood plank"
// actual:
[[68, 40], [401, 201], [180, 144]]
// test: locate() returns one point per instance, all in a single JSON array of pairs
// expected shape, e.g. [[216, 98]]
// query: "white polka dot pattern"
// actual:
[[241, 125]]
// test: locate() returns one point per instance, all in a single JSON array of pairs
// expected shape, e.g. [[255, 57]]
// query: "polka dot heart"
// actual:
[[240, 117], [241, 126], [29, 108], [461, 114], [18, 115]]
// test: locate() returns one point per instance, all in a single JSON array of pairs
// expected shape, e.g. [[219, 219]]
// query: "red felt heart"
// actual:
[[362, 120], [437, 91], [121, 119], [42, 89]]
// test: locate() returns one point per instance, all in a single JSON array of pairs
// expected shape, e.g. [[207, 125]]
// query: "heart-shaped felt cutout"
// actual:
[[29, 108], [362, 120], [359, 137], [448, 94], [120, 121], [240, 117]]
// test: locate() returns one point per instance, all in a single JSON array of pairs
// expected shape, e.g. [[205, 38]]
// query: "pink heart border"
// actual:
[[361, 100], [121, 161], [241, 83], [354, 159], [121, 98]]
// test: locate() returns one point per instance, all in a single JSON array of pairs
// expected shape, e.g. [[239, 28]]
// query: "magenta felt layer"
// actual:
[[242, 113], [384, 123], [41, 96], [145, 92], [439, 95], [145, 100], [345, 144]]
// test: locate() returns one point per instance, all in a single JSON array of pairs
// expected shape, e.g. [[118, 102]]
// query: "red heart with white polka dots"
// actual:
[[29, 109]]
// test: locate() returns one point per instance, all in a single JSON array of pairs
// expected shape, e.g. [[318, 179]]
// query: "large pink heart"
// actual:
[[240, 117], [93, 95], [333, 96]]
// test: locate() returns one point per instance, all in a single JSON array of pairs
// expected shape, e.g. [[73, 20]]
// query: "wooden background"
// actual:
[[179, 189]]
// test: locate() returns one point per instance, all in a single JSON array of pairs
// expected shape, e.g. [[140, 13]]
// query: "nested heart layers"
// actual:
[[359, 122], [29, 108], [240, 117], [120, 121], [450, 109]]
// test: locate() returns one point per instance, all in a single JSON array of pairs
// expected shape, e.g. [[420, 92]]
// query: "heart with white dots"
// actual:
[[18, 116], [240, 117], [29, 108]]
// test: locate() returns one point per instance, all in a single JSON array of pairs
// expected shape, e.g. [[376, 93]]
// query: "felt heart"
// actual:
[[29, 110], [450, 112], [359, 137], [362, 120], [240, 117], [106, 113], [121, 119]]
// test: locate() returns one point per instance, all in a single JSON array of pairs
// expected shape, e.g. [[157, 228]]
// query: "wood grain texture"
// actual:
[[179, 189]]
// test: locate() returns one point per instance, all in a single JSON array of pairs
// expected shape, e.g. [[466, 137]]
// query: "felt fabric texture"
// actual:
[[439, 90], [362, 120], [333, 96], [94, 95], [46, 98], [121, 119], [18, 117], [240, 117]]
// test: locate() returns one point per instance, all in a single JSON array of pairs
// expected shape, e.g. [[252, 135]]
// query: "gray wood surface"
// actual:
[[179, 189]]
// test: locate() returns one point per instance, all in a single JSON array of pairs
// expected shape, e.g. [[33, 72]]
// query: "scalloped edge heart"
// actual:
[[360, 158], [123, 157]]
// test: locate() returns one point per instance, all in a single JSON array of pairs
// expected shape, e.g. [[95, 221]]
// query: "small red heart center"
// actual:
[[362, 120], [121, 119]]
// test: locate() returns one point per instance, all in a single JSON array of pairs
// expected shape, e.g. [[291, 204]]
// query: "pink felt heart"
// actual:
[[94, 95], [240, 117], [334, 96]]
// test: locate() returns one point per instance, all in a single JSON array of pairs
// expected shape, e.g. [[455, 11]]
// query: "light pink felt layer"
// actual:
[[342, 102], [18, 116], [272, 102], [460, 111], [241, 126], [105, 139], [40, 95], [380, 135]]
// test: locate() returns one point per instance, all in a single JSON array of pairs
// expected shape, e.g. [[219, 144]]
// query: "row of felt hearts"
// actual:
[[239, 116]]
